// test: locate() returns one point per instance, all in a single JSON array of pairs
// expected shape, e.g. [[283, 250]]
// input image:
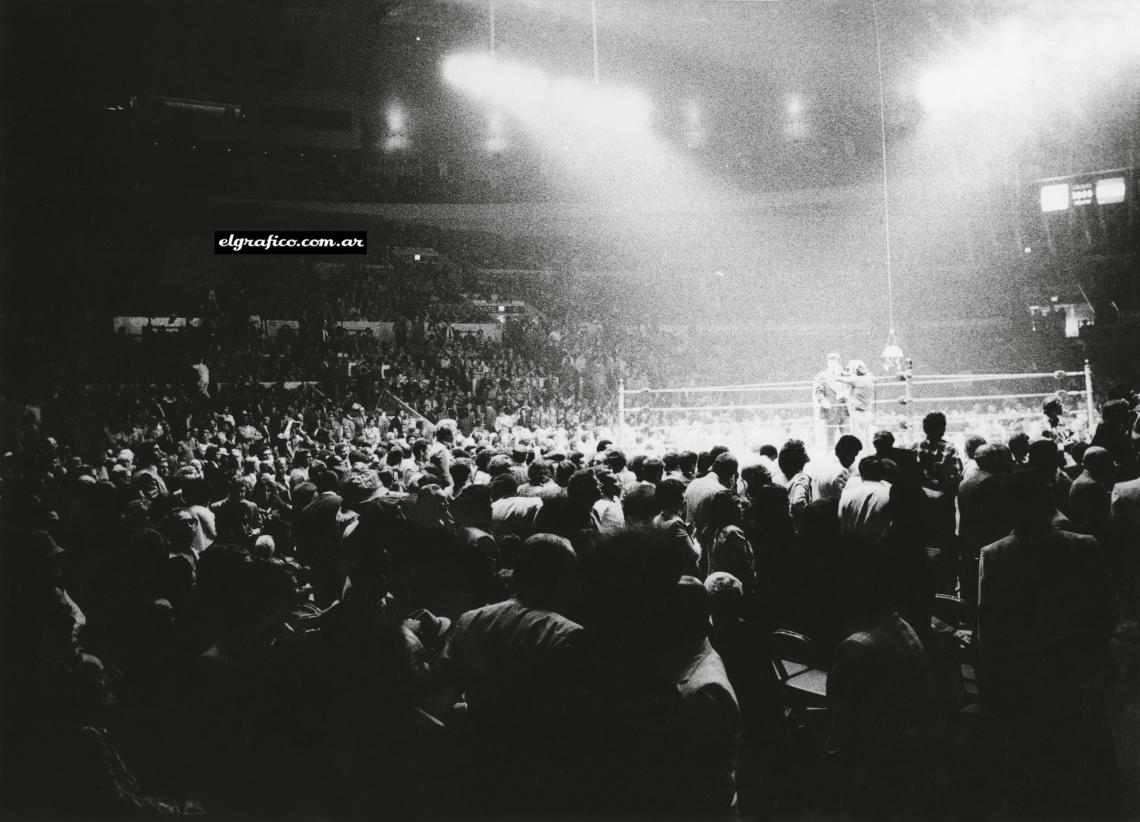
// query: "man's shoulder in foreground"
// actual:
[[1052, 535], [511, 611]]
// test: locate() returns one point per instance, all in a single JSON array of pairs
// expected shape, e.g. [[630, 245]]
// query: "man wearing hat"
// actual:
[[830, 397], [519, 455]]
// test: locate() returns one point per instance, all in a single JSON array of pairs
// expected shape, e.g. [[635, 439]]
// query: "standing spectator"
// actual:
[[864, 506], [724, 545], [1124, 525], [511, 513], [1046, 610], [1091, 494], [608, 511], [236, 517], [880, 689], [793, 459], [1114, 434], [721, 476], [539, 482], [670, 496], [830, 476], [941, 470]]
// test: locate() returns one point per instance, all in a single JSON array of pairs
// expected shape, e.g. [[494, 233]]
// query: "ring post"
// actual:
[[1089, 397], [908, 377], [621, 411], [815, 420]]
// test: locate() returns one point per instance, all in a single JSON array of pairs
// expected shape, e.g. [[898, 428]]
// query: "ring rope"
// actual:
[[767, 406], [981, 398], [782, 405], [1001, 377], [927, 379], [757, 386]]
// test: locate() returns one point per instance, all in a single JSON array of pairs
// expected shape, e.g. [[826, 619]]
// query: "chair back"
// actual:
[[791, 653], [949, 609]]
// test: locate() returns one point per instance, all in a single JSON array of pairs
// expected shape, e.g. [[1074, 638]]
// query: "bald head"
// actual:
[[1099, 463], [544, 568], [994, 459]]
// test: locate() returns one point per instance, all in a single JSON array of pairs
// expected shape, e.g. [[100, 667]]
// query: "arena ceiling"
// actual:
[[735, 81]]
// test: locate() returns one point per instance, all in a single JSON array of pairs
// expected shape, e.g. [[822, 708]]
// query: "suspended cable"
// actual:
[[886, 185], [594, 27]]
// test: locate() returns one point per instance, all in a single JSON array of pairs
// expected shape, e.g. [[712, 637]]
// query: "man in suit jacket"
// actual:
[[1090, 495], [1046, 610], [710, 718], [700, 491], [319, 541], [1124, 526], [982, 515]]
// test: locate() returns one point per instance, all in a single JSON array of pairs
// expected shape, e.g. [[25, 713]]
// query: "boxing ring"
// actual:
[[776, 411]]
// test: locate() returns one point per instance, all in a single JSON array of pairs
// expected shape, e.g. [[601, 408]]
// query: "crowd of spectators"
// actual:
[[258, 600], [315, 570]]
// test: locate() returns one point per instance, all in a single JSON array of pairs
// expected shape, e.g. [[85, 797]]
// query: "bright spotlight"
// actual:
[[795, 105], [601, 108], [1055, 197], [513, 86], [1110, 190], [396, 118], [529, 93]]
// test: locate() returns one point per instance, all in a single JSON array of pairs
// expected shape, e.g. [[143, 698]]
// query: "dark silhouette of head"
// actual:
[[934, 425]]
